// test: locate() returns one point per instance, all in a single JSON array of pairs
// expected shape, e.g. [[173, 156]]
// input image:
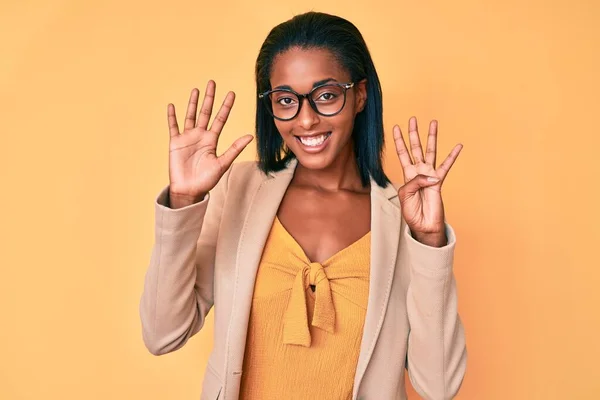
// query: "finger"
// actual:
[[418, 182], [226, 159], [207, 105], [172, 121], [190, 115], [444, 167], [223, 114], [430, 153], [415, 142], [401, 150]]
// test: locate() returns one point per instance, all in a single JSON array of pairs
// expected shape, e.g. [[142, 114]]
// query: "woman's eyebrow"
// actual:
[[321, 82], [318, 83]]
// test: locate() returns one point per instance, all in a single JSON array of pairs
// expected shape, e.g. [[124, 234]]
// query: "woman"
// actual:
[[327, 281]]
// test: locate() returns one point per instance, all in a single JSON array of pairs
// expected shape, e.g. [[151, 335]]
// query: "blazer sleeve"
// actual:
[[436, 354], [178, 285]]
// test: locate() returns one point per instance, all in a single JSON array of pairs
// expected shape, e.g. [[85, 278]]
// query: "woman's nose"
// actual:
[[307, 117]]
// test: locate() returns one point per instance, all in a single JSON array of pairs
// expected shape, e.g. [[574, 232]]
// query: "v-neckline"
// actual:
[[330, 258]]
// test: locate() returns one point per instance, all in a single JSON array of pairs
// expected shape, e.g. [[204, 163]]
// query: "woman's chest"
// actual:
[[325, 224]]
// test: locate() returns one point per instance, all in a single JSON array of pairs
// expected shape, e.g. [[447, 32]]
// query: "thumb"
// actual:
[[418, 182], [234, 150]]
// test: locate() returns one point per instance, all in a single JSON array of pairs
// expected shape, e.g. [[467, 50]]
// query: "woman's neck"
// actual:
[[342, 174]]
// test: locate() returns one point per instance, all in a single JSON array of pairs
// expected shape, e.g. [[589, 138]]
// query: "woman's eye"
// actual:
[[326, 96], [285, 101]]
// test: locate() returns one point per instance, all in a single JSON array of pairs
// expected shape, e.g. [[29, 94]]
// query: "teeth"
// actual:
[[313, 141]]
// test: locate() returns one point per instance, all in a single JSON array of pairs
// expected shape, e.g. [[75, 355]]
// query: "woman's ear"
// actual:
[[361, 95]]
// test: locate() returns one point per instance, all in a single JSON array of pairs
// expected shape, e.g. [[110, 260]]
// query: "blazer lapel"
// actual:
[[385, 236], [257, 225]]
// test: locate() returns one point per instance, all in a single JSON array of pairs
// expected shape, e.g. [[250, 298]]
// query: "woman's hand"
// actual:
[[420, 196], [194, 168]]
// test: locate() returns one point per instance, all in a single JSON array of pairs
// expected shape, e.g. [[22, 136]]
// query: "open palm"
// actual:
[[420, 196], [194, 167]]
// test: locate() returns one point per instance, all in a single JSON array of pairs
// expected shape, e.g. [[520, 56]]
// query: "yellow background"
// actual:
[[83, 94]]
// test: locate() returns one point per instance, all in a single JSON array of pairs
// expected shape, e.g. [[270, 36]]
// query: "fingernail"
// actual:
[[432, 179]]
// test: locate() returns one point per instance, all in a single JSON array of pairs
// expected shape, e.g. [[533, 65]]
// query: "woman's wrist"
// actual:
[[179, 201]]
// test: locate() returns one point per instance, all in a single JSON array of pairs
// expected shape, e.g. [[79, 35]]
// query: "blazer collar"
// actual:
[[259, 219], [385, 234], [385, 237]]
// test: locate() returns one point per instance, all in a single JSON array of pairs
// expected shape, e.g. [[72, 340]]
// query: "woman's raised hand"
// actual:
[[194, 167], [420, 196]]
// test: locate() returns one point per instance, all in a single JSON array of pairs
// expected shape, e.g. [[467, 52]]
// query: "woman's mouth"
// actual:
[[314, 144]]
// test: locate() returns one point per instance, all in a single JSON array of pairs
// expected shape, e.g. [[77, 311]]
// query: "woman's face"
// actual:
[[316, 140]]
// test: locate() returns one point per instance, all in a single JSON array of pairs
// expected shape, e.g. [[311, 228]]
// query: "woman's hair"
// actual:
[[314, 30]]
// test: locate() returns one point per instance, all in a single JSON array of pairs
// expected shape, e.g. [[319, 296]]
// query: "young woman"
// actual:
[[327, 281]]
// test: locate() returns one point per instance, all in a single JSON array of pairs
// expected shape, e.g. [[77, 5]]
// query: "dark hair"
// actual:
[[315, 30]]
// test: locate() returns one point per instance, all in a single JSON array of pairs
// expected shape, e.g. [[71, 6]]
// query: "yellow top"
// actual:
[[303, 344]]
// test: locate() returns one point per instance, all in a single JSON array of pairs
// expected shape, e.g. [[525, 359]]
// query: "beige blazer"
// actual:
[[206, 256]]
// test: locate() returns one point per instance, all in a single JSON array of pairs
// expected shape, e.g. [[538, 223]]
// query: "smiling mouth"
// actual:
[[313, 141]]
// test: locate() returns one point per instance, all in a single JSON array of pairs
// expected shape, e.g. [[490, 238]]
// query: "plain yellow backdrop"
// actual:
[[83, 93]]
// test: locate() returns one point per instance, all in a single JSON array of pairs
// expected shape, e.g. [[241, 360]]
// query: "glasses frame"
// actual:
[[308, 97]]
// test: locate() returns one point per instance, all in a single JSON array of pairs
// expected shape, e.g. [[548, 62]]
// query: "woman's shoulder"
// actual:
[[245, 170], [245, 167], [396, 185], [244, 175]]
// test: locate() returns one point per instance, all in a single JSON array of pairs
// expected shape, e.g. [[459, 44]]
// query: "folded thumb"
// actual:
[[420, 181]]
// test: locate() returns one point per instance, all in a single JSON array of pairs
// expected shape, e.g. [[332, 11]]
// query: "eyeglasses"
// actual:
[[327, 100]]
